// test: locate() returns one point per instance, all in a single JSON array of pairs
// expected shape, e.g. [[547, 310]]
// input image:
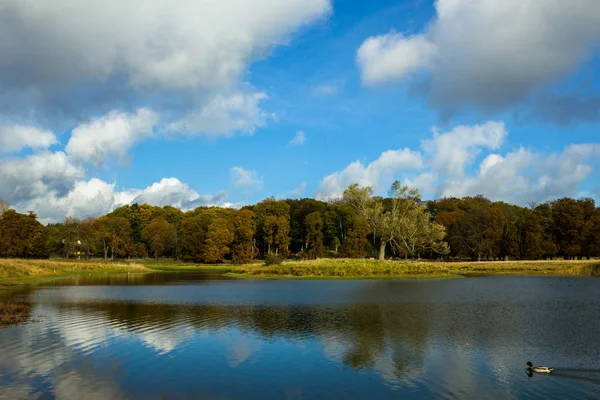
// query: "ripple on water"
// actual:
[[448, 339]]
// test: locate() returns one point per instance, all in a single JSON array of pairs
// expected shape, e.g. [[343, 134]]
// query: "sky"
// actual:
[[196, 102]]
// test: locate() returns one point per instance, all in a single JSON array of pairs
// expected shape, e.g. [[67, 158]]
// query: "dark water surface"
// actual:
[[193, 336]]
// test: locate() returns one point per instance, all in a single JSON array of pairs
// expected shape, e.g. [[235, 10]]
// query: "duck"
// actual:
[[539, 369]]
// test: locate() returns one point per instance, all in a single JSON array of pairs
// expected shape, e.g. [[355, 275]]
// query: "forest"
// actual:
[[358, 225]]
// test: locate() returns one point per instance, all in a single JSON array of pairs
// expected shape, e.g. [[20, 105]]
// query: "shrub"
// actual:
[[272, 259]]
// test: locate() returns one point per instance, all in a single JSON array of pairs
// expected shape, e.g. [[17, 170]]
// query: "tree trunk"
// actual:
[[478, 256], [382, 250]]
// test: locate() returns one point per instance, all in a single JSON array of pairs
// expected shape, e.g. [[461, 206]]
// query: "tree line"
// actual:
[[359, 225]]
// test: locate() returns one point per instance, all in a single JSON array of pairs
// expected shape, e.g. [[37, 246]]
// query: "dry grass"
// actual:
[[11, 269], [344, 268], [11, 313]]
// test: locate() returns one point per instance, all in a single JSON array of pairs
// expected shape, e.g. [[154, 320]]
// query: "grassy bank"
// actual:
[[347, 269], [15, 271]]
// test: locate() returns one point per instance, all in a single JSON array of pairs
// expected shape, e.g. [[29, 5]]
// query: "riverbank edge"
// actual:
[[420, 270]]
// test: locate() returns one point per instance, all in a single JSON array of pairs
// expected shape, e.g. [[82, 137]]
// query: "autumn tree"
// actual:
[[115, 235], [4, 206], [21, 235], [356, 239], [157, 234], [389, 219], [218, 240], [417, 233], [568, 217], [242, 248], [193, 236], [314, 235]]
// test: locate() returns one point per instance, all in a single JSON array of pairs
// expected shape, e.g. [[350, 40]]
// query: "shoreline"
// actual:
[[29, 272]]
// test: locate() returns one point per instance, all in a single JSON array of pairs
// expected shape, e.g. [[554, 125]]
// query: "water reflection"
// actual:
[[230, 339]]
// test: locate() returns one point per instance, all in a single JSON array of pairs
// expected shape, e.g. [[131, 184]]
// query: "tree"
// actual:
[[313, 223], [417, 233], [115, 235], [158, 235], [4, 206], [218, 240], [21, 235], [242, 248], [356, 239], [193, 236], [389, 220], [568, 216]]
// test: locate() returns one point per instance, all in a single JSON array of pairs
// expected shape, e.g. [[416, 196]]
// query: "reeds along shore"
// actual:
[[20, 268], [371, 268]]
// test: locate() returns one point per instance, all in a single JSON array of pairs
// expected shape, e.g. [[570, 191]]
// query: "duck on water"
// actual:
[[539, 369]]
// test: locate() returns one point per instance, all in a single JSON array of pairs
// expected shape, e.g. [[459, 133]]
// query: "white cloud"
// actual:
[[297, 192], [392, 56], [298, 139], [449, 152], [487, 54], [466, 161], [35, 175], [245, 178], [112, 134], [96, 197], [224, 115], [375, 174], [15, 137], [183, 44], [171, 191]]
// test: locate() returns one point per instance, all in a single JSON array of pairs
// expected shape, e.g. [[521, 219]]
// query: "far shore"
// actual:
[[21, 271]]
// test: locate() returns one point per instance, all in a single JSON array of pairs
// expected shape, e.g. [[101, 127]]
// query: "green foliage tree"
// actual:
[[313, 223], [157, 234], [218, 240], [242, 249], [21, 235], [356, 239]]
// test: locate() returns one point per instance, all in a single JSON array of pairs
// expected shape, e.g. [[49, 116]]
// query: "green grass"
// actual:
[[185, 267], [17, 271], [373, 269]]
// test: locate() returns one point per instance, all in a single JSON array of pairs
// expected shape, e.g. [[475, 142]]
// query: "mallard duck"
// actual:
[[539, 370]]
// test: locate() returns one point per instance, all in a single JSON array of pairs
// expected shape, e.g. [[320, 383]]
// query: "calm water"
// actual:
[[204, 337]]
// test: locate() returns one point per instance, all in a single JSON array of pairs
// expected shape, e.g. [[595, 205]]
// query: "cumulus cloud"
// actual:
[[112, 134], [449, 152], [393, 56], [171, 191], [565, 110], [298, 139], [375, 174], [466, 161], [95, 197], [244, 178], [139, 47], [487, 54], [15, 137], [297, 192], [224, 115], [35, 175]]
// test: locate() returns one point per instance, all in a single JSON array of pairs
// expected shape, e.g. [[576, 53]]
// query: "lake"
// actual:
[[203, 336]]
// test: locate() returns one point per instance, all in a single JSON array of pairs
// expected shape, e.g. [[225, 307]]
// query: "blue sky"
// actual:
[[195, 103]]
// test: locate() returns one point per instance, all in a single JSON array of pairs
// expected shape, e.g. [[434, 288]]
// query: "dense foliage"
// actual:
[[357, 226]]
